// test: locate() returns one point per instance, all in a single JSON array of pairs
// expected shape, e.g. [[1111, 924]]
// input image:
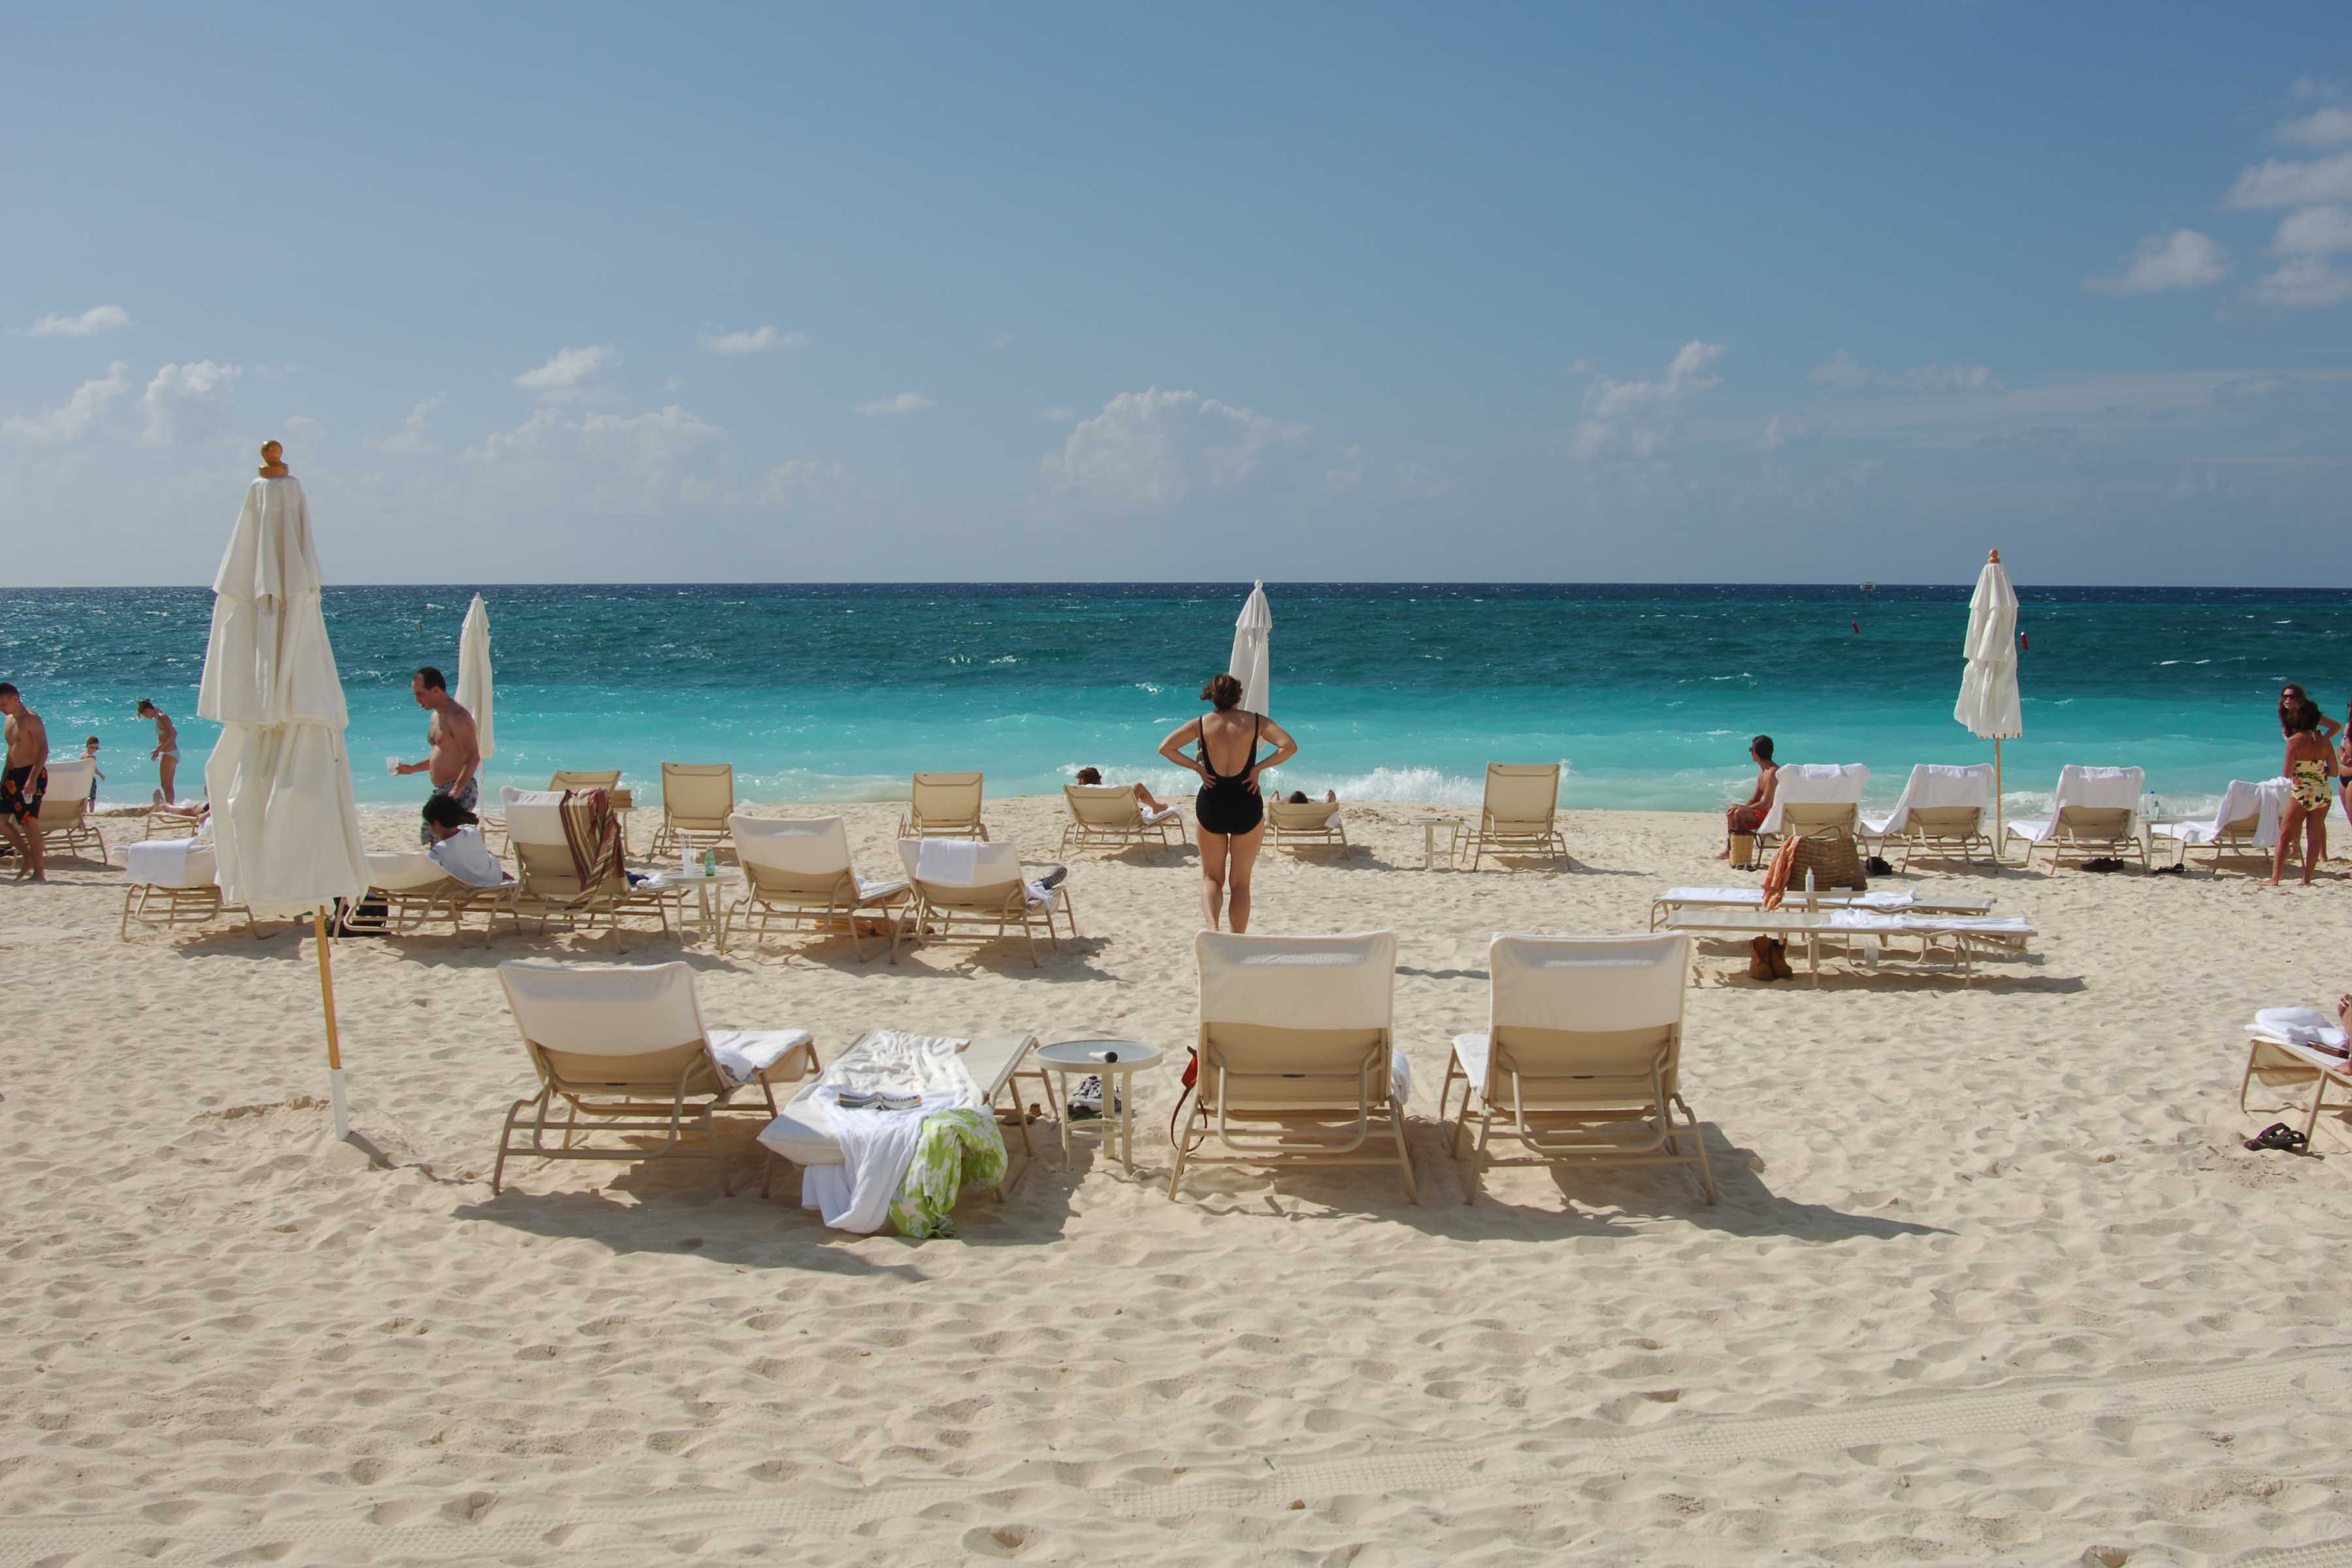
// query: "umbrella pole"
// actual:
[[334, 1048], [1999, 845]]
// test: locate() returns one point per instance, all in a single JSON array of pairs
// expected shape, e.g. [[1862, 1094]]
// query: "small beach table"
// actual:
[[1962, 935], [1072, 1058], [705, 885], [2279, 1063], [1429, 825], [1895, 902]]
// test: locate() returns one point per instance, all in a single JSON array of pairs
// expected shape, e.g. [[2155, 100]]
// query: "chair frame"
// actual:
[[1330, 830], [603, 899], [407, 911], [765, 909], [1003, 906], [1501, 838], [1957, 829], [2236, 840], [913, 824], [74, 829], [2090, 831], [1117, 835], [1264, 1136], [1551, 1135], [675, 834], [182, 907]]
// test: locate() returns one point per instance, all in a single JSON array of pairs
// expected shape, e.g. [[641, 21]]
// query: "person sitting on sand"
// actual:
[[457, 847], [1094, 776], [2310, 769], [1750, 814]]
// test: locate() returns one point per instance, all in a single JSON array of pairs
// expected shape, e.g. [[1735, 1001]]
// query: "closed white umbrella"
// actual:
[[285, 828], [1988, 702], [1249, 662], [474, 672]]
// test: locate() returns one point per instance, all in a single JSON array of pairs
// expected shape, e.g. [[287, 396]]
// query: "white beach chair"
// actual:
[[1854, 926], [696, 800], [798, 873], [1111, 814], [2245, 823], [943, 805], [1943, 808], [1814, 798], [1886, 901], [173, 882], [1298, 1058], [2280, 1055], [626, 1047], [550, 886], [64, 821], [411, 889], [2095, 812], [1302, 824], [964, 882], [1521, 804], [1581, 1056], [802, 1132]]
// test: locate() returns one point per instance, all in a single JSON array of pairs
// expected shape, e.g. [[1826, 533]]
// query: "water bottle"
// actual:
[[710, 861], [1811, 901]]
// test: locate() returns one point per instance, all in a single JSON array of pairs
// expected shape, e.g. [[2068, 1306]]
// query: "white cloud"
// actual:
[[2320, 128], [1841, 369], [2282, 182], [565, 377], [646, 443], [1638, 417], [2313, 231], [806, 479], [77, 414], [97, 319], [1057, 414], [2181, 260], [411, 436], [1579, 366], [1781, 429], [303, 427], [757, 340], [181, 402], [2305, 280], [2309, 87], [904, 402], [1350, 475], [1148, 448]]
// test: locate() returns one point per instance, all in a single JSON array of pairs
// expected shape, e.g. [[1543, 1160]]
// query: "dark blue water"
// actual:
[[1396, 691]]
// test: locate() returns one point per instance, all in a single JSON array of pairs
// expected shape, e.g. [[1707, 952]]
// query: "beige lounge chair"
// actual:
[[1859, 926], [626, 1047], [943, 805], [2244, 825], [964, 882], [696, 800], [2278, 1062], [1521, 804], [174, 884], [799, 872], [412, 890], [1110, 814], [1582, 1058], [550, 886], [2096, 814], [494, 824], [1299, 1064], [1307, 823], [1942, 812], [1814, 798], [64, 820]]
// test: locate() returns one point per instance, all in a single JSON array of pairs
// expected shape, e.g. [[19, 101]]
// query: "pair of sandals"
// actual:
[[2278, 1135], [1770, 960]]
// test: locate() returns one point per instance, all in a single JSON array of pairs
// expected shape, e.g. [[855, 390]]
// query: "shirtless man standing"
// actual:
[[457, 753], [26, 780], [166, 754]]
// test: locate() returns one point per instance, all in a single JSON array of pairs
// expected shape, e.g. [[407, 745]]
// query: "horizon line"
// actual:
[[1218, 583]]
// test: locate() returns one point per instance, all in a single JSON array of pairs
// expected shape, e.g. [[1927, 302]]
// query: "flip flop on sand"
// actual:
[[2278, 1135]]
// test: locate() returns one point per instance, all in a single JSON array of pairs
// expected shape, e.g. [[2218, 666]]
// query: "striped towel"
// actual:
[[593, 834]]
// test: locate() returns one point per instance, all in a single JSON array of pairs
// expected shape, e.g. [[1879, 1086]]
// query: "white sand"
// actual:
[[1991, 1278]]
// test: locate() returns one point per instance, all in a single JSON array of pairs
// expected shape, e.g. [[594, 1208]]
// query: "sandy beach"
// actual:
[[1991, 1278]]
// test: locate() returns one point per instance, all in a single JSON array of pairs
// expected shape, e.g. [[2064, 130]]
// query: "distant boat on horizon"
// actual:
[[1870, 588]]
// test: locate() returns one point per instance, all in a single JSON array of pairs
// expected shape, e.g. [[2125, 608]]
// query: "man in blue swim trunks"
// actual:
[[22, 782], [454, 759]]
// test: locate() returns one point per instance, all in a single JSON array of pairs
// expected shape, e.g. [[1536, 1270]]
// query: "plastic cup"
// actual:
[[391, 765]]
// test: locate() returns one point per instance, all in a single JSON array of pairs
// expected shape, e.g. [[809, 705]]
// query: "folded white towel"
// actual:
[[2301, 1026]]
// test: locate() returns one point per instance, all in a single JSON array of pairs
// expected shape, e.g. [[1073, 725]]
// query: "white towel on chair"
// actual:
[[877, 1146], [953, 861], [2300, 1026]]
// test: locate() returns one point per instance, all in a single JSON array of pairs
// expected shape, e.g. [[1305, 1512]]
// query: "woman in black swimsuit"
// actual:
[[1231, 810]]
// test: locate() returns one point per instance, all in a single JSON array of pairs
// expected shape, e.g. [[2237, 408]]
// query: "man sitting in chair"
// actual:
[[1750, 814], [458, 847], [1094, 776]]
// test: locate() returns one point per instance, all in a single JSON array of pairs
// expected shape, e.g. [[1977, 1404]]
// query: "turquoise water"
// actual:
[[1395, 691]]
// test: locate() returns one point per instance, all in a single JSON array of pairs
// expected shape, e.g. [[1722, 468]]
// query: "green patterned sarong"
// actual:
[[956, 1149]]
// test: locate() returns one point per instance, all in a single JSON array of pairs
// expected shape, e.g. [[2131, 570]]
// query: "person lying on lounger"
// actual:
[[1094, 776]]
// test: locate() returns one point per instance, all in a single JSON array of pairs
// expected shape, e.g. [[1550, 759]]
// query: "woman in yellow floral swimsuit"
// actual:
[[2310, 766]]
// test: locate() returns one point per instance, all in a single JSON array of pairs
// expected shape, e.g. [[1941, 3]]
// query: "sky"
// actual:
[[1805, 292]]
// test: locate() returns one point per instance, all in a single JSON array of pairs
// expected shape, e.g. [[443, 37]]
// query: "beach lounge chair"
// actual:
[[494, 824], [1866, 930], [1886, 901], [1298, 1058], [696, 800], [409, 889], [159, 823], [627, 1048], [64, 820], [1580, 1060], [798, 873], [1814, 798], [174, 883], [1110, 814], [943, 805], [1522, 802], [2290, 1057], [802, 1132], [2095, 812], [964, 882], [1307, 823], [553, 883], [1943, 808], [2245, 823]]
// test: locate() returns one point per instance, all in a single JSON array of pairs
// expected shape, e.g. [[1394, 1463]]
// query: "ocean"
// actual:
[[1395, 691]]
